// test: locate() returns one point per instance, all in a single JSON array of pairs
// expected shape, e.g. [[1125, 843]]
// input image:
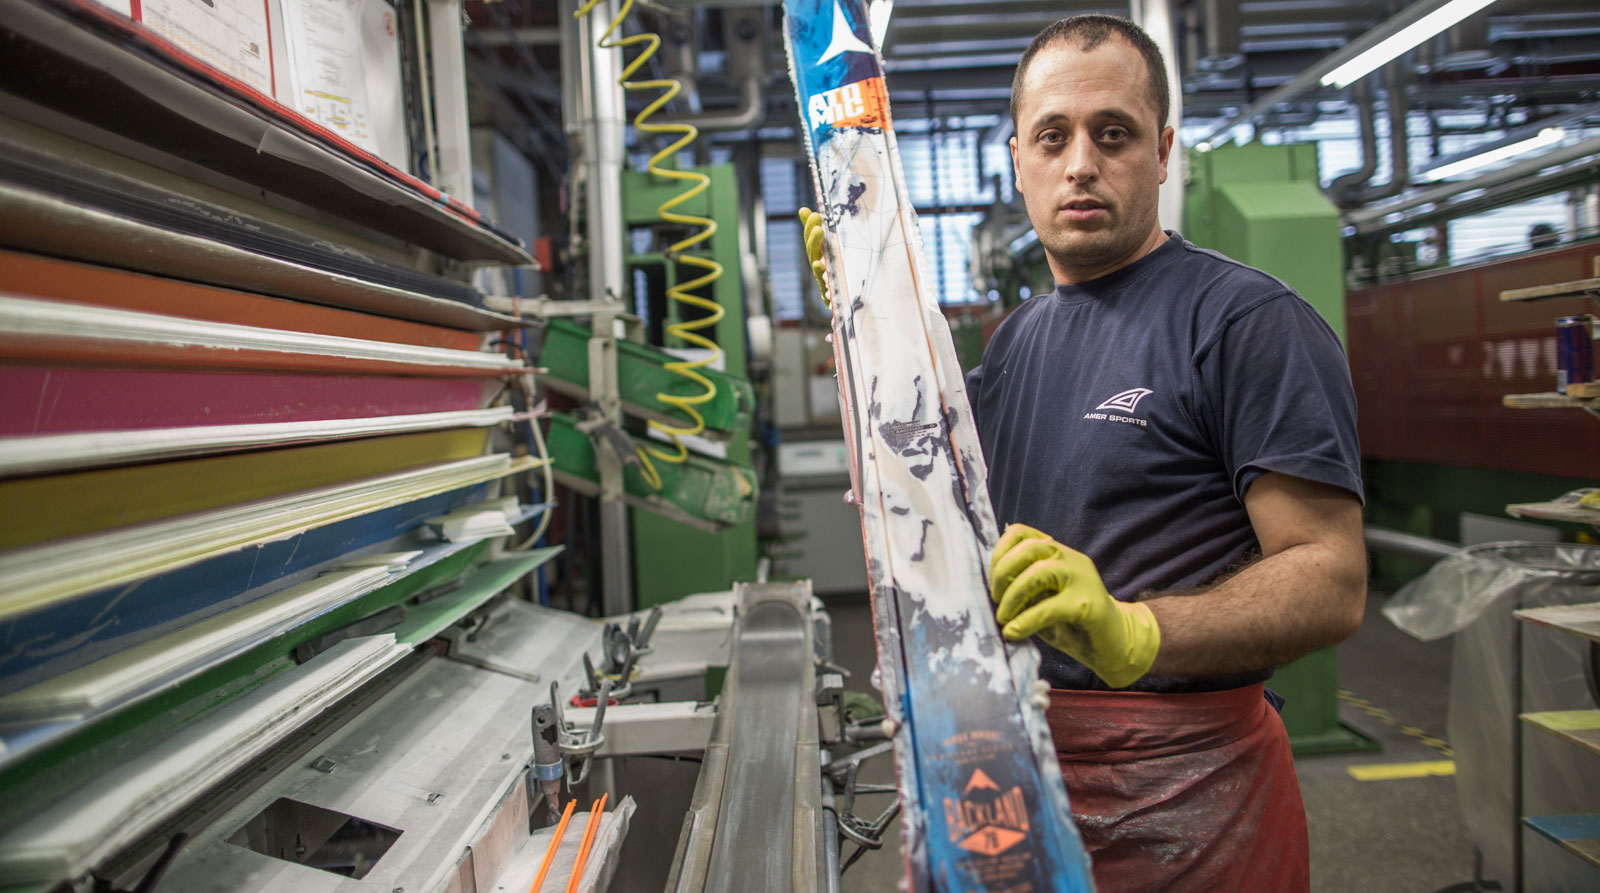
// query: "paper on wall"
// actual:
[[123, 6], [327, 84], [229, 35]]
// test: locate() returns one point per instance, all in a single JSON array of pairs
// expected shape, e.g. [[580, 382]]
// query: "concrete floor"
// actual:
[[1372, 836]]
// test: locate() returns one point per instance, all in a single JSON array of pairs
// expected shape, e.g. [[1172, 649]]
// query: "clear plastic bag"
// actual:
[[1457, 590], [1472, 595]]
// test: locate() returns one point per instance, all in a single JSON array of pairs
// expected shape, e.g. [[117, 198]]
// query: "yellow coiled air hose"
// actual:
[[688, 330]]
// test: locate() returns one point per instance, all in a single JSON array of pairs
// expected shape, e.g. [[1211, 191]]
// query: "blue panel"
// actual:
[[63, 637], [1566, 827]]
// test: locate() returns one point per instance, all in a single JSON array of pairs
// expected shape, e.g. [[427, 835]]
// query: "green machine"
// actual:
[[672, 559], [1263, 205], [696, 532]]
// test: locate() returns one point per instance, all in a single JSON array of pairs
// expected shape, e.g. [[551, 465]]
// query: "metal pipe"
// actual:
[[450, 100], [1157, 20], [1312, 76], [1222, 31], [1344, 186], [430, 140], [1561, 155], [1399, 142], [1499, 196], [525, 36], [1408, 545], [748, 113], [597, 117], [830, 833], [743, 35]]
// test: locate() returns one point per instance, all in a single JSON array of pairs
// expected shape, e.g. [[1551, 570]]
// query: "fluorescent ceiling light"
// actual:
[[878, 20], [1545, 137], [1402, 40]]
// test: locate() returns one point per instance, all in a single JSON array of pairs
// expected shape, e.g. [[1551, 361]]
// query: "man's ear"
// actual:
[[1016, 172], [1163, 150]]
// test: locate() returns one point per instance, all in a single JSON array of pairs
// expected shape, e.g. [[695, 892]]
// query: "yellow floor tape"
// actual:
[[1392, 771]]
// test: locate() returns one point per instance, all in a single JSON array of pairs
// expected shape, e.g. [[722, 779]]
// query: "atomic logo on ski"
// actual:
[[844, 37], [986, 820], [862, 104]]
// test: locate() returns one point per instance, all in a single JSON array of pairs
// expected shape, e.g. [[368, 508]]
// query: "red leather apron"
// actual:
[[1184, 792]]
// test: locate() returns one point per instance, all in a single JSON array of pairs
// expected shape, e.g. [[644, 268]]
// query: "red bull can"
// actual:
[[1574, 351]]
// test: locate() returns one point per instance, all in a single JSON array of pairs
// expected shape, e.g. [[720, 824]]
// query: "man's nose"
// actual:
[[1082, 159]]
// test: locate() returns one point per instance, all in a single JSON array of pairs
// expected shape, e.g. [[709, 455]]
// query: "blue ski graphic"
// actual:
[[984, 804]]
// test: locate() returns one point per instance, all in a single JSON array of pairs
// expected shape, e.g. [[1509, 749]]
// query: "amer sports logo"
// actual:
[[1127, 401]]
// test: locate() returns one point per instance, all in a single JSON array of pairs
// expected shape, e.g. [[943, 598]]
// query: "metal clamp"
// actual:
[[621, 648], [843, 772], [640, 632], [575, 743], [560, 750]]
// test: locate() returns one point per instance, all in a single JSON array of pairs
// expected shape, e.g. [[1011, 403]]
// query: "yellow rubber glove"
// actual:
[[811, 222], [1046, 589]]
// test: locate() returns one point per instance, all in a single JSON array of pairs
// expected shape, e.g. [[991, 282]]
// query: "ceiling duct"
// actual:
[[1466, 43], [680, 58], [1399, 144], [1222, 33], [743, 31], [1345, 187]]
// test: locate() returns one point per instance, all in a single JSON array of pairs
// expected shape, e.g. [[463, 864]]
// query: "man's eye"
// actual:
[[1050, 136], [1114, 134]]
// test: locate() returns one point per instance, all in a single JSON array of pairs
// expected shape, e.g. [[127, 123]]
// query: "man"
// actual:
[[1188, 423]]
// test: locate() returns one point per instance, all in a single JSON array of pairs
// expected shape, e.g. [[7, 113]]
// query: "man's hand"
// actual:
[[1046, 589], [811, 222]]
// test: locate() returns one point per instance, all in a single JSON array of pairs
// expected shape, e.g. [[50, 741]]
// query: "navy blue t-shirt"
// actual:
[[1126, 416]]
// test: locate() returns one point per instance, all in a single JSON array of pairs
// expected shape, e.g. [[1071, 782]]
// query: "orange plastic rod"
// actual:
[[588, 840], [550, 852]]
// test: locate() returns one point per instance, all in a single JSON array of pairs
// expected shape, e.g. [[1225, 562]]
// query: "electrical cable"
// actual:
[[686, 331], [548, 494], [539, 447]]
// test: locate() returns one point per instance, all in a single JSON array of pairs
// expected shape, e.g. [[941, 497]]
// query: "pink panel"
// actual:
[[45, 400]]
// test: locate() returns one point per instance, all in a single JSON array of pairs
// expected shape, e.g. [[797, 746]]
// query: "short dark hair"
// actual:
[[1089, 31]]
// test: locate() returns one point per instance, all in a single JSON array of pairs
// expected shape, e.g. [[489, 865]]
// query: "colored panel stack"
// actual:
[[227, 443]]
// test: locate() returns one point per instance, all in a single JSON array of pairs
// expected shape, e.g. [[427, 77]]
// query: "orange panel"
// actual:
[[37, 276]]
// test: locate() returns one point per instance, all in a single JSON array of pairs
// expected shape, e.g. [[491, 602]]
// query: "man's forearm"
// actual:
[[1288, 604]]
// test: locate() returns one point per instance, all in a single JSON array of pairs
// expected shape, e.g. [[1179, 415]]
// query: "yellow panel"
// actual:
[[1391, 771], [1566, 720], [56, 506]]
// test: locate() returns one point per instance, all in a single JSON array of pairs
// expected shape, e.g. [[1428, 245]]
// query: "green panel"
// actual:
[[1428, 500], [672, 560], [641, 376], [705, 488], [111, 740], [643, 194], [1262, 206], [432, 617], [1287, 229], [1228, 165], [1310, 689]]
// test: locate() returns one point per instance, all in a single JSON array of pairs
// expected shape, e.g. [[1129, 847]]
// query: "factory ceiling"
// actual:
[[956, 57]]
